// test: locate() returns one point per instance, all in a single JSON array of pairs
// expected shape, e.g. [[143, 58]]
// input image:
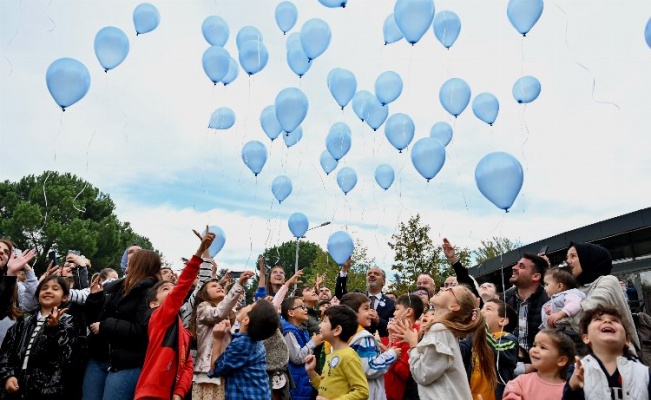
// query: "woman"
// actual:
[[118, 342], [591, 265]]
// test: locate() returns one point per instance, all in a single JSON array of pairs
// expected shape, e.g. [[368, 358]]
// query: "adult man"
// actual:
[[450, 281], [325, 293], [426, 281], [527, 297], [382, 307], [126, 256]]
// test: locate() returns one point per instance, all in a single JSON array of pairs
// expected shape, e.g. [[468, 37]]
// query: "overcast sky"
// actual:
[[141, 134]]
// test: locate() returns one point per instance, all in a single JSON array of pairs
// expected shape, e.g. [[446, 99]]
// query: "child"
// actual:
[[168, 364], [243, 362], [500, 321], [375, 363], [408, 308], [565, 298], [550, 355], [435, 362], [343, 376], [212, 305], [36, 354], [609, 371], [299, 344]]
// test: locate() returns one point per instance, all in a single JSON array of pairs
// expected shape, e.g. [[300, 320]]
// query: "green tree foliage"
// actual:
[[62, 211], [417, 254], [494, 247]]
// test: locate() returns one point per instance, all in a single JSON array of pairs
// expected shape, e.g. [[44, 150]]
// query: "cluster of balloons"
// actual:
[[68, 80], [312, 41]]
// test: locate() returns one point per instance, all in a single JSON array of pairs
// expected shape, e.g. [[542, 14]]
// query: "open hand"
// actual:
[[95, 286], [406, 333], [17, 262], [295, 279], [55, 316]]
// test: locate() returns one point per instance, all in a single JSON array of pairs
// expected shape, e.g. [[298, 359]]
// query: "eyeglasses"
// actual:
[[301, 306]]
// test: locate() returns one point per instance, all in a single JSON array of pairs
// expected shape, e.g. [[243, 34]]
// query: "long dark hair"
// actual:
[[202, 295]]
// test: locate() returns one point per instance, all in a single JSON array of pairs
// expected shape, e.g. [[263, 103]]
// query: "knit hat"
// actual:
[[595, 261]]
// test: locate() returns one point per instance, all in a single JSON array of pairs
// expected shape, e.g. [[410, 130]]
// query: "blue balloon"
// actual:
[[315, 37], [485, 107], [340, 247], [446, 26], [388, 87], [428, 157], [526, 89], [359, 103], [68, 81], [334, 3], [328, 163], [647, 33], [297, 60], [454, 96], [293, 39], [286, 15], [269, 123], [399, 129], [338, 140], [523, 14], [215, 30], [219, 241], [253, 56], [111, 47], [384, 176], [442, 131], [499, 178], [215, 61], [233, 71], [298, 224], [375, 113], [291, 108], [413, 17], [254, 155], [145, 18], [346, 179], [293, 137], [281, 187], [391, 31], [222, 118], [342, 85], [247, 33]]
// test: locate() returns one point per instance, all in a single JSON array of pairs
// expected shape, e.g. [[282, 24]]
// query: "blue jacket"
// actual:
[[303, 390]]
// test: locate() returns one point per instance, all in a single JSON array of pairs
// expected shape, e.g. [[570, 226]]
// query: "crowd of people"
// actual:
[[558, 332]]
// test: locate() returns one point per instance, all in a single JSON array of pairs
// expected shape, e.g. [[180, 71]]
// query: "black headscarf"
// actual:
[[595, 262]]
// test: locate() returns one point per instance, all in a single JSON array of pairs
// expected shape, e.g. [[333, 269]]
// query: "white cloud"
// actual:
[[144, 124]]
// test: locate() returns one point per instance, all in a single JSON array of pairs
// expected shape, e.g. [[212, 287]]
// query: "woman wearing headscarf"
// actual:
[[591, 266]]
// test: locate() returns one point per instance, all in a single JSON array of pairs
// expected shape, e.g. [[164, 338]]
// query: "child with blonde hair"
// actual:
[[435, 361]]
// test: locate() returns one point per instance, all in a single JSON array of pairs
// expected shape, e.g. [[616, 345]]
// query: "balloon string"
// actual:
[[45, 198], [56, 139], [523, 121], [577, 62], [13, 36], [47, 14]]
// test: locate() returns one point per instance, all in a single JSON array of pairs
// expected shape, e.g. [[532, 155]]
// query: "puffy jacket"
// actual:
[[49, 362], [122, 338], [303, 390]]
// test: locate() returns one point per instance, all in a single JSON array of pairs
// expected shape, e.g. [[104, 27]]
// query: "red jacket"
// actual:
[[168, 365], [395, 380]]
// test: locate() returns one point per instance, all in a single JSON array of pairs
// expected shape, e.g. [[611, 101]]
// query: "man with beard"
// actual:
[[382, 307], [527, 297]]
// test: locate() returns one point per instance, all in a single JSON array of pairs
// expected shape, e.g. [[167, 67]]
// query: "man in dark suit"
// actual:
[[382, 307]]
